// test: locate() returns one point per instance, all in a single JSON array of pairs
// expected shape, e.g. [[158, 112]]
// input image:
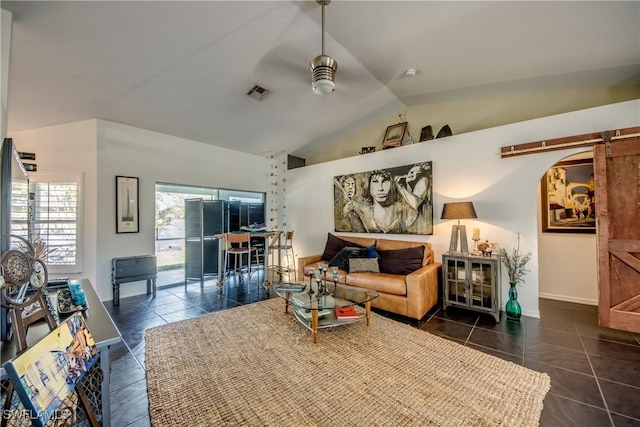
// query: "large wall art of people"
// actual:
[[396, 200]]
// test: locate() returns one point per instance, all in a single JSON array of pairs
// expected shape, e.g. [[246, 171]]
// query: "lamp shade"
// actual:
[[458, 210]]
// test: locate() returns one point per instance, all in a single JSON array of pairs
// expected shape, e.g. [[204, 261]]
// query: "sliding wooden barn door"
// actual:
[[617, 179]]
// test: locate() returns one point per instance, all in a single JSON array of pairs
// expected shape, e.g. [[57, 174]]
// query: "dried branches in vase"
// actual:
[[515, 262]]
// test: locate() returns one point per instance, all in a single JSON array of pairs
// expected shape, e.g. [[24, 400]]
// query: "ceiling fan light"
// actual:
[[323, 74], [323, 86]]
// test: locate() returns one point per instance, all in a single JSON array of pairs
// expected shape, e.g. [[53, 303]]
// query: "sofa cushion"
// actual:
[[365, 242], [333, 246], [387, 245], [394, 284], [401, 261], [341, 259], [370, 252], [363, 265]]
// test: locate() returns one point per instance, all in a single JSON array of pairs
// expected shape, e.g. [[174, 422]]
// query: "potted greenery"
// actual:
[[515, 262]]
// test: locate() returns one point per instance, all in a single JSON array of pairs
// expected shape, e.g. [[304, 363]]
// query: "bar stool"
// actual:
[[258, 244], [276, 246], [238, 245]]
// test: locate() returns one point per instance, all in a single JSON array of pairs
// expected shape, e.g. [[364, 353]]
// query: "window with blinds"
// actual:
[[55, 214], [20, 209]]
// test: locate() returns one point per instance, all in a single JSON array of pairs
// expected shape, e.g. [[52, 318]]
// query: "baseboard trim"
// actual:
[[568, 299]]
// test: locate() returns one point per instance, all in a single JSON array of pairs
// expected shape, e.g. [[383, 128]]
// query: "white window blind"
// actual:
[[55, 221], [19, 209]]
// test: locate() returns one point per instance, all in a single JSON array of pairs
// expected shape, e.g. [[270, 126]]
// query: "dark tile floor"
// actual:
[[595, 372]]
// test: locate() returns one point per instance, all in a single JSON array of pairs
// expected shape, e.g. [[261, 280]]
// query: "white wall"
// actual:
[[5, 53], [154, 158], [465, 167], [102, 150], [69, 148], [569, 267]]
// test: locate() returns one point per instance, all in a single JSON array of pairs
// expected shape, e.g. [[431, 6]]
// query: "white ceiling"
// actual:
[[183, 68]]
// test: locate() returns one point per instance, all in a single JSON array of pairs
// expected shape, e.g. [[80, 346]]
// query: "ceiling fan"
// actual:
[[284, 68], [323, 67]]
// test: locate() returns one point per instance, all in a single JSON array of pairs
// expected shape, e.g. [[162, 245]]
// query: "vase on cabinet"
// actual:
[[513, 309]]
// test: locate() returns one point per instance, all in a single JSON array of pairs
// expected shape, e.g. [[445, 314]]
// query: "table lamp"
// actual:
[[458, 210]]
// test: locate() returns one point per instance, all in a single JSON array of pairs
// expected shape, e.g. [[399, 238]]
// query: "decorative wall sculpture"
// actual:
[[395, 200]]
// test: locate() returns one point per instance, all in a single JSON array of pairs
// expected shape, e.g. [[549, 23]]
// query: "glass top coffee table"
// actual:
[[325, 309]]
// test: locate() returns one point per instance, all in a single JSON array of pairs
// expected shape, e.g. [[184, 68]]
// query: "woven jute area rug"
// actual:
[[257, 366]]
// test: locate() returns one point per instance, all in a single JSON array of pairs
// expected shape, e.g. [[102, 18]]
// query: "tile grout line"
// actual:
[[472, 329], [604, 400], [626, 416], [580, 402], [130, 352]]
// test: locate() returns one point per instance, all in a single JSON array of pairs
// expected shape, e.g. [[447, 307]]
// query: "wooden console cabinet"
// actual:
[[472, 282]]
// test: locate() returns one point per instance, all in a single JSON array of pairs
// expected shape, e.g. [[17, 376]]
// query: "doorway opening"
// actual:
[[567, 254]]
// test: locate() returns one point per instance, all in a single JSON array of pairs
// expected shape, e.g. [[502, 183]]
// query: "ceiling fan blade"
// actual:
[[286, 62]]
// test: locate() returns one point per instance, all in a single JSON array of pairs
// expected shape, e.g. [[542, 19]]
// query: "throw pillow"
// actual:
[[333, 246], [370, 252], [341, 259], [401, 261], [363, 265]]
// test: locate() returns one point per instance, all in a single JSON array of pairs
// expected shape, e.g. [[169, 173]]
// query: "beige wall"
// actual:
[[476, 114]]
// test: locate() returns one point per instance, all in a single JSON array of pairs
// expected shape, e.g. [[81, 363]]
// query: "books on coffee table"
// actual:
[[346, 313], [306, 314]]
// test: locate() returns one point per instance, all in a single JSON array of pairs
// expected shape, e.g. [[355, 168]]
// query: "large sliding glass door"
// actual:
[[170, 224]]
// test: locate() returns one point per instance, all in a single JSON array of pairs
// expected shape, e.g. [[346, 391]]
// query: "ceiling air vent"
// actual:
[[258, 92]]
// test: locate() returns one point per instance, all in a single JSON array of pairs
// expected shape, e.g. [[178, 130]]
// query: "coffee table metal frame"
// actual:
[[304, 302]]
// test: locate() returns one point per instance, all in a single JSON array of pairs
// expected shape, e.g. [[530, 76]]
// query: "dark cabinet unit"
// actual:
[[234, 216], [472, 282], [251, 213]]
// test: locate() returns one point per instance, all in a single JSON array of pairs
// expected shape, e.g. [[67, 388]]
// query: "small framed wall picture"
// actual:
[[127, 206], [394, 135]]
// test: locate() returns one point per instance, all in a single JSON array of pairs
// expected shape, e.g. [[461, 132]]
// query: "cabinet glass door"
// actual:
[[457, 281], [481, 285]]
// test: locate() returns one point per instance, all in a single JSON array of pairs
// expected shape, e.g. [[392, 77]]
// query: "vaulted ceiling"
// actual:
[[183, 68]]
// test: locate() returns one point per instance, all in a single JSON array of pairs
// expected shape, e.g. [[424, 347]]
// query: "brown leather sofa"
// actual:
[[410, 295]]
